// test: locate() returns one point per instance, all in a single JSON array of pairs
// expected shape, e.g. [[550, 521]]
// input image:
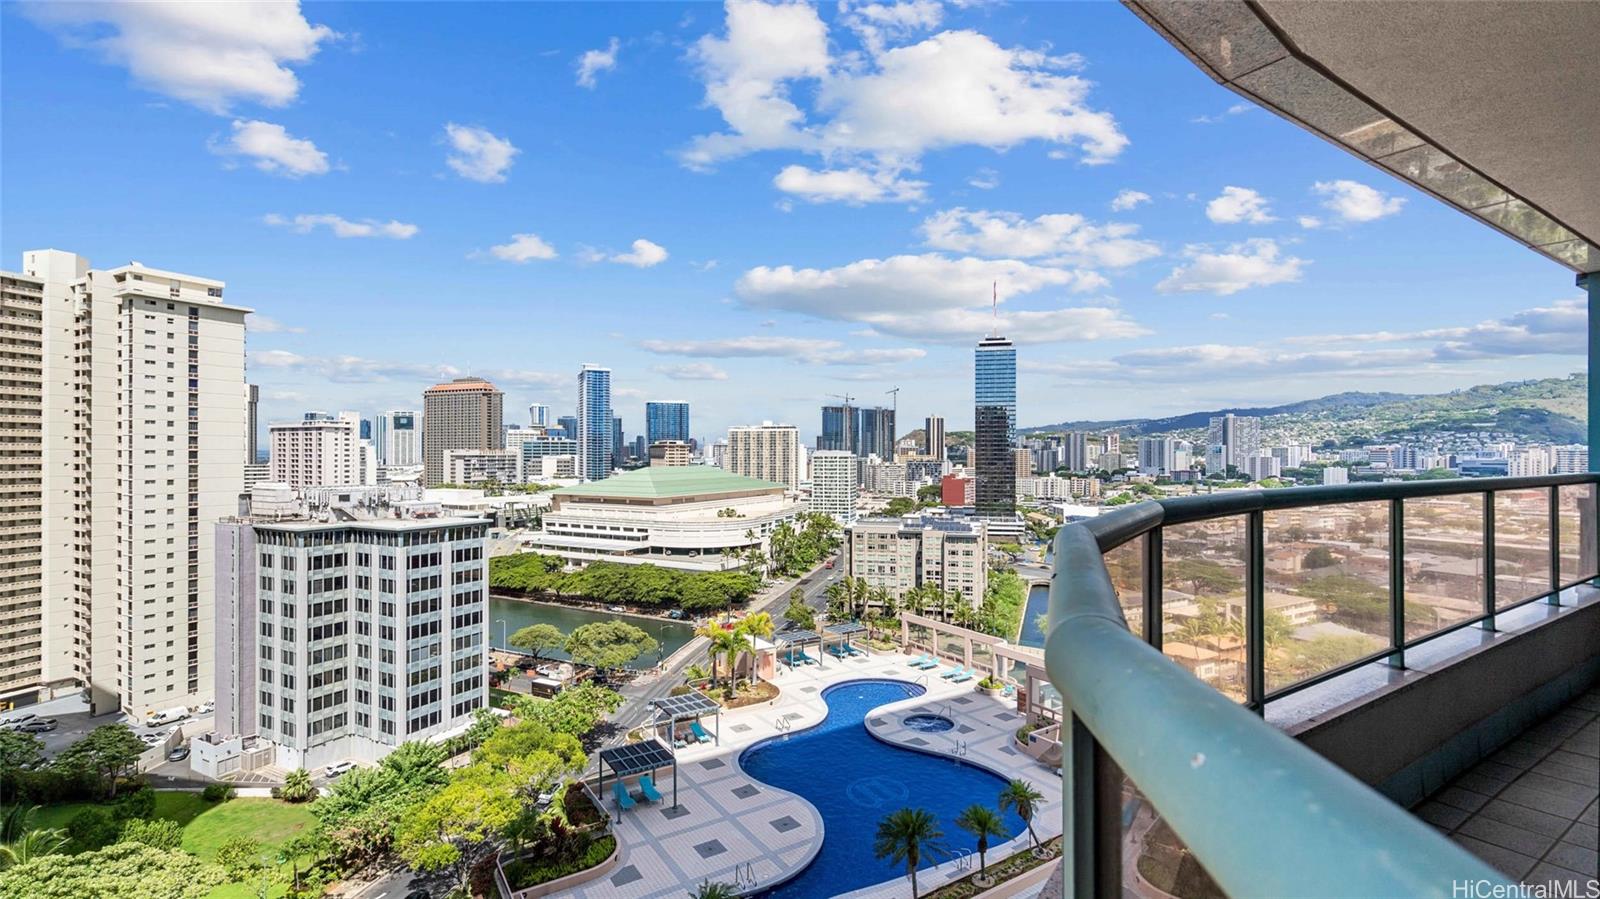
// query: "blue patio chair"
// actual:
[[853, 651], [647, 787], [699, 732], [952, 672], [620, 793], [963, 677], [917, 662], [929, 665]]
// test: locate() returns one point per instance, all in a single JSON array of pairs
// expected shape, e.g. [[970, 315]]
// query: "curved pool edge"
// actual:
[[816, 848], [1021, 838]]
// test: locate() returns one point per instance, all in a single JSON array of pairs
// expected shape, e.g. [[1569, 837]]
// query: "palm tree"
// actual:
[[756, 624], [709, 890], [904, 835], [1019, 795], [23, 843], [297, 786], [728, 643], [982, 822]]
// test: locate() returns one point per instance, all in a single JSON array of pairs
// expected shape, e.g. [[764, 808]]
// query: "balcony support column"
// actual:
[[1397, 584], [1591, 282], [1091, 812]]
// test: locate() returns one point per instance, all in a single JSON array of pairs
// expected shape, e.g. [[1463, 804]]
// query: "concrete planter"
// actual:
[[560, 884]]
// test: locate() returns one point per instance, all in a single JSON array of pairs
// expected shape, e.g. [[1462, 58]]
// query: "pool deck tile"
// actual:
[[663, 851]]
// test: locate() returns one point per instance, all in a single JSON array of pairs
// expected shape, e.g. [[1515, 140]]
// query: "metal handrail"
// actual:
[[1296, 824]]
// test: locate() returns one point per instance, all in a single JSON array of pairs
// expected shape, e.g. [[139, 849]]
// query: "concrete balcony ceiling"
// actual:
[[1492, 107]]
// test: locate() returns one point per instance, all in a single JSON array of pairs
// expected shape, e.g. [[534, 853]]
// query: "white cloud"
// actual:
[[877, 23], [343, 227], [819, 351], [274, 149], [1309, 222], [1231, 111], [953, 88], [1353, 201], [1555, 330], [523, 248], [1061, 237], [852, 186], [1254, 263], [644, 255], [357, 369], [479, 155], [932, 296], [262, 324], [1128, 199], [692, 371], [1239, 204], [207, 54], [593, 62], [985, 179]]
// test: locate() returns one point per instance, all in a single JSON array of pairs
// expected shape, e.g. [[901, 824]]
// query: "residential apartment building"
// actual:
[[669, 452], [464, 414], [596, 426], [1238, 435], [767, 452], [833, 485], [899, 554], [397, 436], [539, 415], [124, 423], [502, 466], [345, 639], [320, 450]]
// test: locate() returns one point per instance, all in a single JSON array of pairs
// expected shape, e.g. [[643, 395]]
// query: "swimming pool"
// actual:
[[854, 779]]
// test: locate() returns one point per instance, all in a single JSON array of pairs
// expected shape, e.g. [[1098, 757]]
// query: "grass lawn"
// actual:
[[268, 821], [170, 804]]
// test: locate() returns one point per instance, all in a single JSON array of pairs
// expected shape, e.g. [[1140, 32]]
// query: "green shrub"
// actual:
[[524, 873], [217, 792], [92, 828], [141, 803], [240, 857], [159, 833]]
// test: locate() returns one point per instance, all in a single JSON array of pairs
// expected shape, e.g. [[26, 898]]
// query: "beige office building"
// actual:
[[140, 414], [464, 414], [320, 450], [766, 452]]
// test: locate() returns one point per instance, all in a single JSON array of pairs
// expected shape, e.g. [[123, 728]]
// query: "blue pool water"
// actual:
[[854, 780]]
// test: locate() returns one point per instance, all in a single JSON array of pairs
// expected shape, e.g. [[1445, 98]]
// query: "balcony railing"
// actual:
[[1173, 623]]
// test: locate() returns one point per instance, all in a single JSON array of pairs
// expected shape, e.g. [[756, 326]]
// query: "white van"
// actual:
[[338, 768], [169, 716]]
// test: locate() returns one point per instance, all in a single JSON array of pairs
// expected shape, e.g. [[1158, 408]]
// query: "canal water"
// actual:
[[517, 614], [1038, 602]]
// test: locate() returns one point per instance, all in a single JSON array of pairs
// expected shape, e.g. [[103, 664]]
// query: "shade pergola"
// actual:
[[686, 707], [792, 640], [636, 758], [843, 630]]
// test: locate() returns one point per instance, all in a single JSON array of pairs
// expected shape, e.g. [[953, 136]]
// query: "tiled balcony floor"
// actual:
[[1530, 809]]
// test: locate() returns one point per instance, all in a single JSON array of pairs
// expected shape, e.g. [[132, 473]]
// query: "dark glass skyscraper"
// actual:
[[841, 429], [568, 426], [995, 425], [666, 421], [876, 433]]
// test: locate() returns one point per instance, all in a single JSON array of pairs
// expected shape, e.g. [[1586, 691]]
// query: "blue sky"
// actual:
[[751, 207]]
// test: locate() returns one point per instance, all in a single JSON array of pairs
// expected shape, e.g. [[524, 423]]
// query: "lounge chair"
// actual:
[[853, 651], [929, 665], [620, 793], [699, 732], [1010, 690], [917, 662], [963, 677], [647, 788], [952, 672], [806, 659], [838, 652]]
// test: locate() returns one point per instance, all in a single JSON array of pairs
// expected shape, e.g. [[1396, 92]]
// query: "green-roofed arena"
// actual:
[[696, 518]]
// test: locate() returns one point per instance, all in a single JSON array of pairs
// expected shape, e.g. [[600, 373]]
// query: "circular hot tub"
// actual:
[[929, 723]]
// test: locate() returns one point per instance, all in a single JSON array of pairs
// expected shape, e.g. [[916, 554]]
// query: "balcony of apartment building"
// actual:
[[1384, 689]]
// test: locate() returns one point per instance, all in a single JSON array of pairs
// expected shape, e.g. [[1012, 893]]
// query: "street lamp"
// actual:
[[502, 623]]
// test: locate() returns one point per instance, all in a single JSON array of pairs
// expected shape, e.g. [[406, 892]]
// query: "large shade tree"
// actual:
[[608, 644], [110, 750]]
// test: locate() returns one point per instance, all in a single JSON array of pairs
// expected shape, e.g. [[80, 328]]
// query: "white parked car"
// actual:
[[338, 768]]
